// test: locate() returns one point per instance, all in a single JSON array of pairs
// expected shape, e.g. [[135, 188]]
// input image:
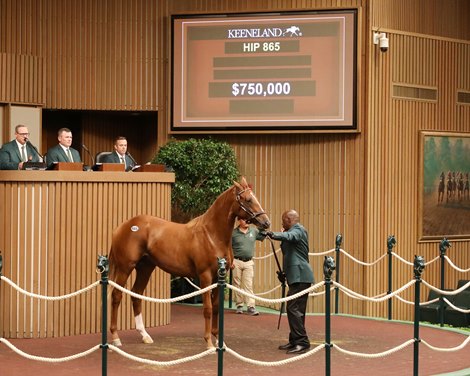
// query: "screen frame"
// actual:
[[350, 127]]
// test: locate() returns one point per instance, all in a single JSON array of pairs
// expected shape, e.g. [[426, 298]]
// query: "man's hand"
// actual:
[[281, 276], [266, 233]]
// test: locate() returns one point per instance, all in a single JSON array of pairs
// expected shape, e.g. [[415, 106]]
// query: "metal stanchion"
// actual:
[[220, 344], [443, 245], [328, 267], [339, 240], [391, 241], [103, 268], [418, 267]]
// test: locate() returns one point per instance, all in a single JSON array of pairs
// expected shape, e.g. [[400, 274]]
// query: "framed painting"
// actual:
[[444, 202]]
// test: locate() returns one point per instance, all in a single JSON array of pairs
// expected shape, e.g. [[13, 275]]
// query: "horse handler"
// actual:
[[299, 275], [244, 238]]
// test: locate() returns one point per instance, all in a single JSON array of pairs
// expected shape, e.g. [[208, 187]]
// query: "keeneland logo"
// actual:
[[275, 32]]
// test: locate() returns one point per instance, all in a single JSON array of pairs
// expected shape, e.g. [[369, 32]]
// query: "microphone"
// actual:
[[88, 151], [34, 148], [132, 158]]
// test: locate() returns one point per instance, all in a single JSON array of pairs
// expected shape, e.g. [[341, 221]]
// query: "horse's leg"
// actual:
[[207, 309], [144, 271], [120, 278]]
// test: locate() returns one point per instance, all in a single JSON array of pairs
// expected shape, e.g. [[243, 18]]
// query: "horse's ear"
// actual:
[[239, 187]]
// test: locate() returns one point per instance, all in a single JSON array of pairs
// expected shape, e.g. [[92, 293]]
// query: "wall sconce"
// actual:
[[382, 40]]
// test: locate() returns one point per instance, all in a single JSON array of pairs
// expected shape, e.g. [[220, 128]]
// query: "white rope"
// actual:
[[376, 355], [448, 349], [433, 260], [268, 292], [45, 297], [162, 364], [48, 360], [388, 296], [455, 307], [361, 262], [445, 292], [295, 296], [404, 300], [278, 363], [322, 253], [455, 267], [156, 300], [402, 259], [267, 255]]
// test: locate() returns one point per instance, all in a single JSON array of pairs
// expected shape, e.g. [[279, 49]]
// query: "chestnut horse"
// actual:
[[186, 250]]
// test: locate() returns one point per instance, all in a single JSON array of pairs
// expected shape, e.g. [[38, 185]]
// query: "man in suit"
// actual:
[[299, 275], [63, 152], [120, 155], [14, 153]]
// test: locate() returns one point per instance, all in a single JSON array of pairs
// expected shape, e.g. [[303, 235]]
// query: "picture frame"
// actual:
[[444, 201]]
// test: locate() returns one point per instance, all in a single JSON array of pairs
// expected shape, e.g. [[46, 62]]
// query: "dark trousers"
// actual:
[[296, 315]]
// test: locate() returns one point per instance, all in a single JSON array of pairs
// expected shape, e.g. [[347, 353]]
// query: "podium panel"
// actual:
[[68, 166], [53, 226], [110, 167]]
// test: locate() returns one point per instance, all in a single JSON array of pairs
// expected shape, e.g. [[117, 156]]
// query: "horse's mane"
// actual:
[[223, 196]]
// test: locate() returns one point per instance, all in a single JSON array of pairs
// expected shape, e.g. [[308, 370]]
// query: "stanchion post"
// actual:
[[418, 267], [328, 267], [103, 268], [338, 241], [230, 293], [222, 272], [443, 245], [391, 241]]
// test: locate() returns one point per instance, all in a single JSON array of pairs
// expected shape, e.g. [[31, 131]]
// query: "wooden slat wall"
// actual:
[[392, 172], [98, 55], [22, 79], [51, 235]]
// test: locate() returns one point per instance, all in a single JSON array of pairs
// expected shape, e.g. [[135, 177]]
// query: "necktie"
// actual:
[[123, 161], [69, 155], [23, 154]]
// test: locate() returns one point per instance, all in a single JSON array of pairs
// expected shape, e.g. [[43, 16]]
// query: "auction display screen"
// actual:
[[260, 72]]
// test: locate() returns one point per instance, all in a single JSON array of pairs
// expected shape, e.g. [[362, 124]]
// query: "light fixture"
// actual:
[[382, 40]]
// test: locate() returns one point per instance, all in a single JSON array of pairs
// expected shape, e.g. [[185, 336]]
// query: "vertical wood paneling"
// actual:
[[69, 224]]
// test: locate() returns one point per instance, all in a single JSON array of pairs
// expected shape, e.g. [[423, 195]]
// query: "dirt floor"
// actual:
[[254, 337]]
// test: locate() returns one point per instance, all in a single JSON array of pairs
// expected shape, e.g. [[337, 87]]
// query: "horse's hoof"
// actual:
[[147, 339], [116, 342]]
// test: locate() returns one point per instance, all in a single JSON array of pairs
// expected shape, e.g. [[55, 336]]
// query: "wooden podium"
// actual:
[[151, 168], [68, 166], [116, 167]]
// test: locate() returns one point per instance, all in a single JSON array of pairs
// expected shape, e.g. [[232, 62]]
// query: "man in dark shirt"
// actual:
[[299, 275]]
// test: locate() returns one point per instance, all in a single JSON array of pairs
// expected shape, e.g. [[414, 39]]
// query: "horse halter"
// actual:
[[246, 209]]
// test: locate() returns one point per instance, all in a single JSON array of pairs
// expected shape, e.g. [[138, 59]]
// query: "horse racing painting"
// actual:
[[444, 183]]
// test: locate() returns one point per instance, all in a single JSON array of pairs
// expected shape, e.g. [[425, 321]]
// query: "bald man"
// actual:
[[299, 275]]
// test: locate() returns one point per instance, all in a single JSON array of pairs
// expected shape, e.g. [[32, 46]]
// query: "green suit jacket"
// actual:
[[57, 154], [10, 156], [294, 246]]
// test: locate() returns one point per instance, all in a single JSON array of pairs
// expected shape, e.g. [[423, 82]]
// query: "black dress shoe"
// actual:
[[298, 349], [287, 346]]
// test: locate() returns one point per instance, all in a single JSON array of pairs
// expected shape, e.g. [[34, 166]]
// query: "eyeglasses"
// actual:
[[23, 134]]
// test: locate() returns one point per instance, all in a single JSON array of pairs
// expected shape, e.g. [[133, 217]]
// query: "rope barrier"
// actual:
[[50, 298], [311, 291], [376, 355], [277, 363], [455, 267], [159, 363], [48, 360], [157, 300]]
